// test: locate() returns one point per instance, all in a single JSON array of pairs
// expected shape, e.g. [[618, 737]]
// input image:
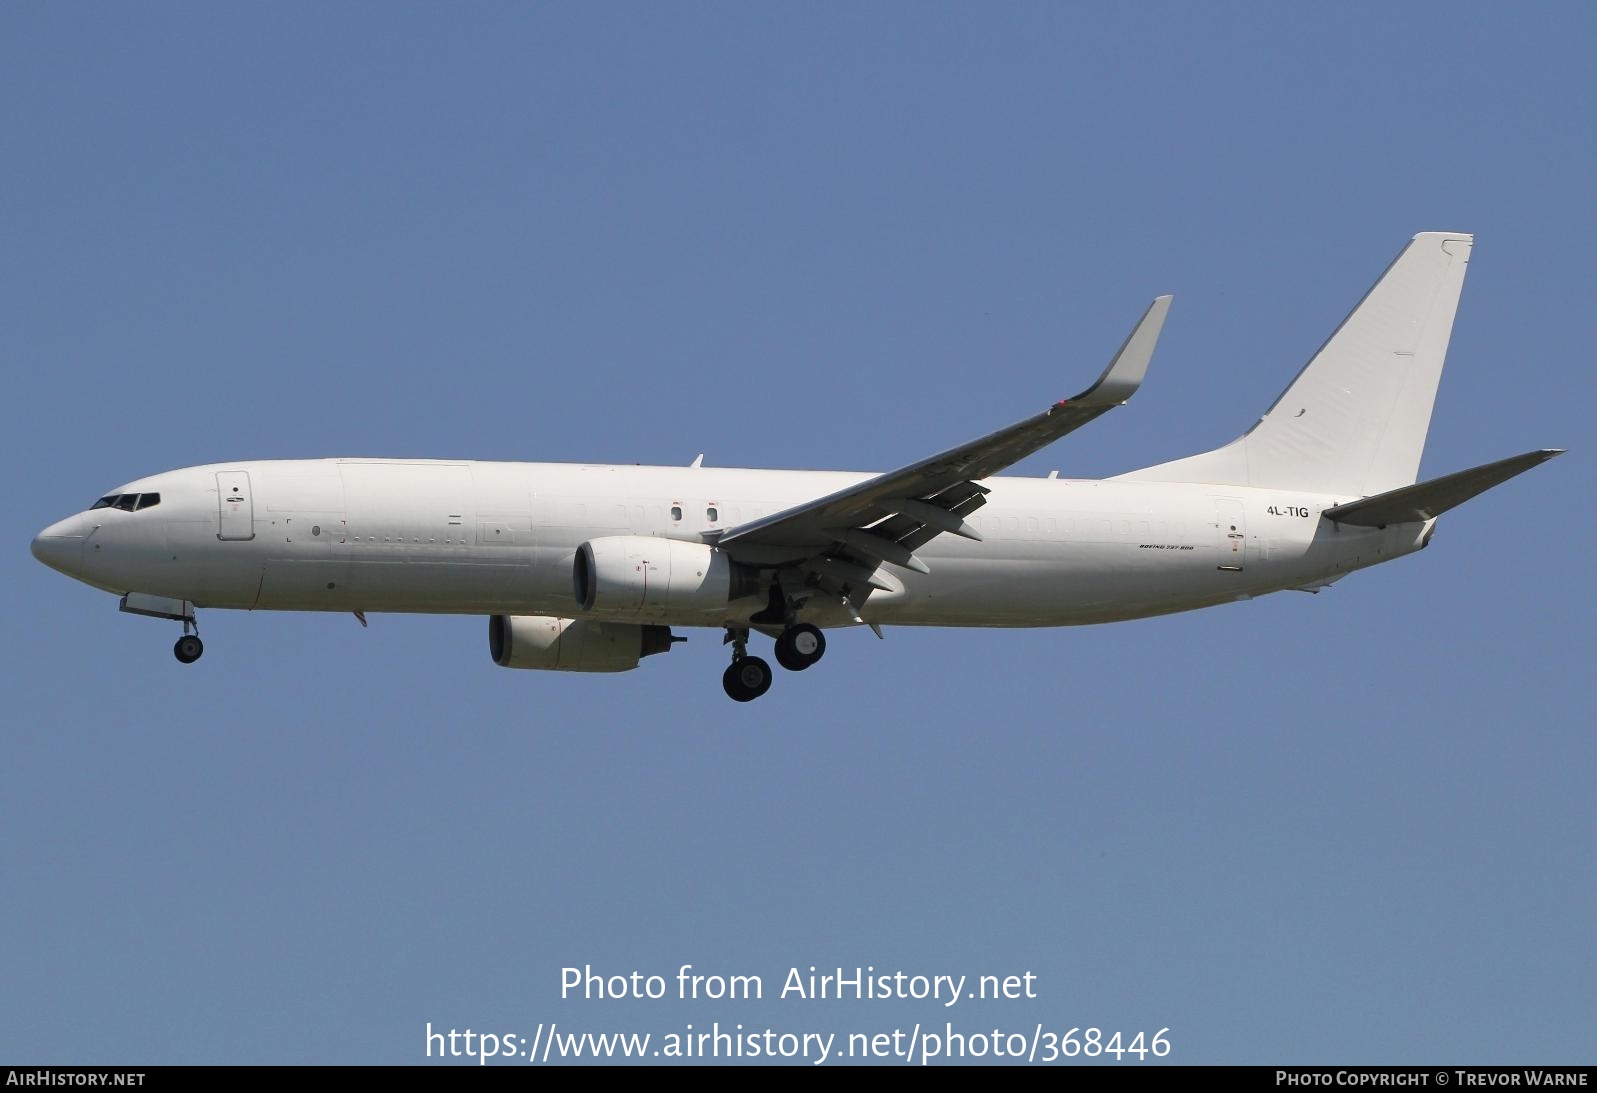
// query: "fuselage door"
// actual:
[[235, 509], [1232, 530]]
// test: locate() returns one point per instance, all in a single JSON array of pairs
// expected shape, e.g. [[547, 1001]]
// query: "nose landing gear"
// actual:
[[188, 648]]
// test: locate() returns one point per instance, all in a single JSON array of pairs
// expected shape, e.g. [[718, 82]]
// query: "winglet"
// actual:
[[1124, 374]]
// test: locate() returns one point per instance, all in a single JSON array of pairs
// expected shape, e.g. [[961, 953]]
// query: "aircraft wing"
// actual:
[[886, 518]]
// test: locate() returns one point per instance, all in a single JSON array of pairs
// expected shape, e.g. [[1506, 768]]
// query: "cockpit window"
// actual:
[[127, 502]]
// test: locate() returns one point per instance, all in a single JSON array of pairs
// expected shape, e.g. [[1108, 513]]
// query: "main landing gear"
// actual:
[[748, 677], [800, 646]]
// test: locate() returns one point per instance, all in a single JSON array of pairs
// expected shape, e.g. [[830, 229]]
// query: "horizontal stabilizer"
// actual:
[[1412, 504]]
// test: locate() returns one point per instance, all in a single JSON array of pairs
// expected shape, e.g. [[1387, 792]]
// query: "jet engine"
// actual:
[[572, 645], [620, 574]]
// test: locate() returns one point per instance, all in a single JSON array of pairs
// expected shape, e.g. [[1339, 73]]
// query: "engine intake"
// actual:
[[573, 645], [637, 574]]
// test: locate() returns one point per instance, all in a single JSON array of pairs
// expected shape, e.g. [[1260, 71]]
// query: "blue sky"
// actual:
[[1356, 827]]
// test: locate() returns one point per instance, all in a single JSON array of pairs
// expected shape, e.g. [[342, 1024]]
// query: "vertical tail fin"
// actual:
[[1354, 420]]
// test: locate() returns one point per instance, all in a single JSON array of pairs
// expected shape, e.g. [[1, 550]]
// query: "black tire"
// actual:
[[747, 679], [800, 646], [188, 649]]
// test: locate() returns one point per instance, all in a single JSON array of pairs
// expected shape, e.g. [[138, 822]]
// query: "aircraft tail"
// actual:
[[1354, 420]]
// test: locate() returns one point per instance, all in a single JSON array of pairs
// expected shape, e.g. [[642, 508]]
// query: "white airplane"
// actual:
[[586, 568]]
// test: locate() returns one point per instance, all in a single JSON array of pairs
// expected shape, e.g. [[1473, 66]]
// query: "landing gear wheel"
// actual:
[[747, 679], [800, 646], [188, 649]]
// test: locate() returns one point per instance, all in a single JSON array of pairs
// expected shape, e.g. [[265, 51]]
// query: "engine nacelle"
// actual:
[[572, 645], [623, 574]]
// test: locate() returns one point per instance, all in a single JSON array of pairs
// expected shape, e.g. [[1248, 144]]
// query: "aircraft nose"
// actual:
[[59, 545]]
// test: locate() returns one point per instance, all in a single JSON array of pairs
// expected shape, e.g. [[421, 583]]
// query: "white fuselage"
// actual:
[[499, 538]]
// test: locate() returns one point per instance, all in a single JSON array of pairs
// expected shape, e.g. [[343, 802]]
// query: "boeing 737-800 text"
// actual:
[[587, 568]]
